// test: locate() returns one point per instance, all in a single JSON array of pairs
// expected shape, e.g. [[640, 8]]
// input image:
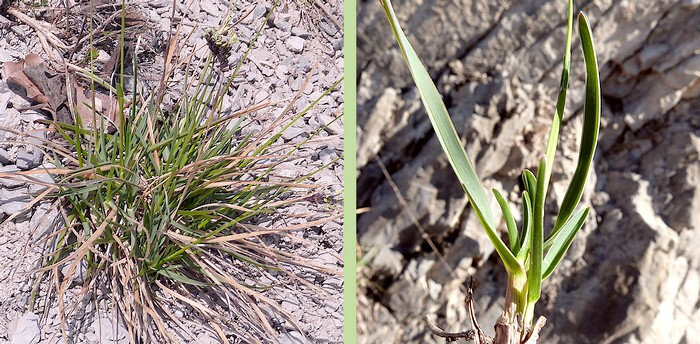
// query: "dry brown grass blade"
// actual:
[[44, 148], [265, 132], [198, 306], [240, 236], [231, 157], [44, 35], [78, 254], [285, 257], [76, 257], [141, 295], [255, 182], [253, 294], [177, 321], [151, 137], [168, 55]]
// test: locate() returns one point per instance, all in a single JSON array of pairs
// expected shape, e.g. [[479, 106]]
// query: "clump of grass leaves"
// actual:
[[529, 257], [161, 209]]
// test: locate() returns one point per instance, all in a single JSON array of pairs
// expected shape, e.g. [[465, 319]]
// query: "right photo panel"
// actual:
[[527, 171]]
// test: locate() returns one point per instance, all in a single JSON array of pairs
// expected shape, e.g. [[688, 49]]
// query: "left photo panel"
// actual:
[[171, 171]]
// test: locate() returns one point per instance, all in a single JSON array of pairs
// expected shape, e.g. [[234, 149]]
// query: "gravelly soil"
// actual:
[[301, 36]]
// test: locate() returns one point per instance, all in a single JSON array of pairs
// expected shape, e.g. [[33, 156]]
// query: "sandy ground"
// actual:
[[300, 36]]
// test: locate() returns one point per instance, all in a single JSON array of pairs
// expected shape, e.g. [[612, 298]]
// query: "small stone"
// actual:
[[79, 273], [300, 32], [292, 337], [207, 338], [283, 23], [14, 195], [102, 57], [5, 55], [107, 332], [304, 63], [25, 330], [35, 188], [260, 96], [6, 157], [288, 170], [191, 9], [17, 101], [327, 155], [209, 7], [292, 132], [338, 44], [27, 160], [15, 207], [331, 30], [290, 306], [91, 338], [281, 70], [159, 3], [7, 182], [296, 83], [295, 44]]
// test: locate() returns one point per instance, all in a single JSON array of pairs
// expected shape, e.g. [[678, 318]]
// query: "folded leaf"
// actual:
[[589, 135], [561, 99], [563, 241], [510, 221], [526, 232], [530, 182], [534, 274]]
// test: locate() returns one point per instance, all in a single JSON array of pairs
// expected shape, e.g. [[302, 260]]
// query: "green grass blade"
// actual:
[[561, 99], [447, 135], [589, 135], [172, 274], [563, 241], [510, 221]]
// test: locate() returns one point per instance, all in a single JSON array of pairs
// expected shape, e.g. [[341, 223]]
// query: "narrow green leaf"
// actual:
[[181, 278], [440, 119], [530, 182], [510, 221], [563, 241], [534, 272], [447, 135], [534, 277], [589, 135], [561, 99], [526, 232]]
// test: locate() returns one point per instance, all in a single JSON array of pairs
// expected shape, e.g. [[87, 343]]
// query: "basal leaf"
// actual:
[[447, 135]]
